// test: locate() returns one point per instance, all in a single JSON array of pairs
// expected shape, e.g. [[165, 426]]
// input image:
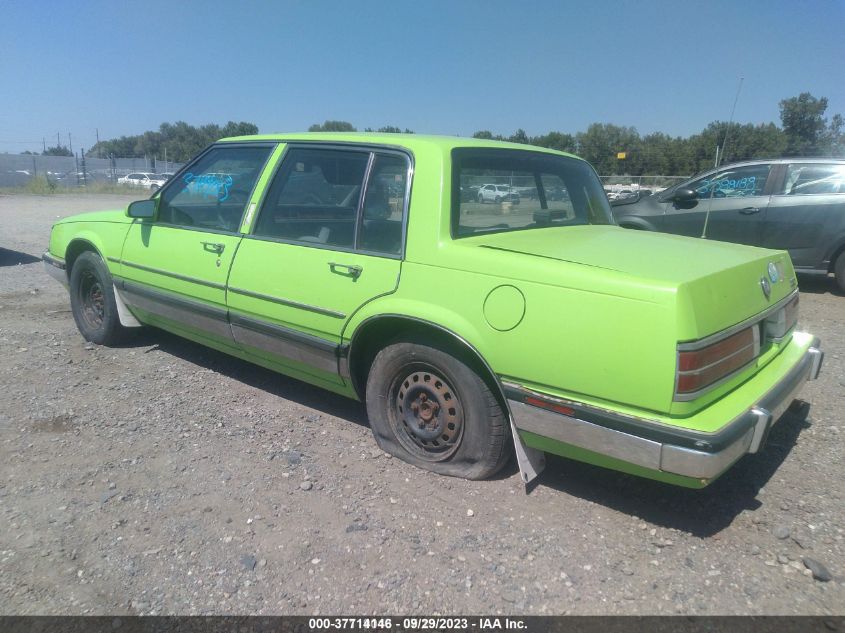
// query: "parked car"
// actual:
[[465, 334], [142, 179], [497, 193], [795, 204]]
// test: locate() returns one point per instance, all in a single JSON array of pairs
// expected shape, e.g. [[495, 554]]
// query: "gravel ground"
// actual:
[[165, 478]]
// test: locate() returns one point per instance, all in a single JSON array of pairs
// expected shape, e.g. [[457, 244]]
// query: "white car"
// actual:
[[497, 193], [143, 179]]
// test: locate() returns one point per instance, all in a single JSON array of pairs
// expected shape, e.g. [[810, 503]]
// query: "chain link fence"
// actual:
[[625, 186], [17, 170]]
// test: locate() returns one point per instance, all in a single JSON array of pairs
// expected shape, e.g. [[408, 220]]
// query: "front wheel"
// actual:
[[431, 409], [92, 301], [839, 271]]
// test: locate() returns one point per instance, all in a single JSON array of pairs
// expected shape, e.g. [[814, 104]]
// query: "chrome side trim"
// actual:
[[182, 310], [281, 341], [55, 267], [172, 275], [718, 336], [51, 259], [287, 302]]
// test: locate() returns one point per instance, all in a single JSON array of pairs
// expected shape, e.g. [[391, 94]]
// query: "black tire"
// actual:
[[92, 301], [498, 199], [480, 199], [839, 271], [432, 410]]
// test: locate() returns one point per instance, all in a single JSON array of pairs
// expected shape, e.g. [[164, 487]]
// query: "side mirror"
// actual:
[[684, 194], [142, 209]]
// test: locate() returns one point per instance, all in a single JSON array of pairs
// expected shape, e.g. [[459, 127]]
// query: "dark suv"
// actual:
[[794, 204]]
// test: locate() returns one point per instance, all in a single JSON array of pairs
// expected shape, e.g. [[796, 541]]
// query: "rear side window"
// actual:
[[505, 190], [211, 193], [380, 230], [814, 179], [315, 197]]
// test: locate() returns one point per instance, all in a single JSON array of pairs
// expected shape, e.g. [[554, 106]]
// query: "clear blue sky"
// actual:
[[442, 67]]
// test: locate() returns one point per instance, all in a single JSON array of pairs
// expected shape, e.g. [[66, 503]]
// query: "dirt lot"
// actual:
[[162, 477]]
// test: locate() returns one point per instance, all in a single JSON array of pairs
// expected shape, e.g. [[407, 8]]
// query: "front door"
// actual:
[[174, 267], [328, 238], [732, 203]]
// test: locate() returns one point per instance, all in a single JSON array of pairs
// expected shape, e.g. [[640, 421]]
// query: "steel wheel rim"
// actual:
[[426, 413], [92, 300]]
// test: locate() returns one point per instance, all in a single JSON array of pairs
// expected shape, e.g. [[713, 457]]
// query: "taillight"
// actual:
[[701, 367]]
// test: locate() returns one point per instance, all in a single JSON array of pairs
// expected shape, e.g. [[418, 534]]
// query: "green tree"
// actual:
[[806, 129], [555, 140], [181, 140], [332, 126], [485, 134], [519, 137], [58, 150], [601, 143]]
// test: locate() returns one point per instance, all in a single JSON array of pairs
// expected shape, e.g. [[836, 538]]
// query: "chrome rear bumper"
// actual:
[[657, 446]]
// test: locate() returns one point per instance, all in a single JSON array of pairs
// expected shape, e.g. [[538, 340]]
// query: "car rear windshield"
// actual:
[[542, 190]]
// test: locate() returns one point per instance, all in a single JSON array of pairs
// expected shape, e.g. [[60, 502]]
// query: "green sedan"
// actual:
[[470, 329]]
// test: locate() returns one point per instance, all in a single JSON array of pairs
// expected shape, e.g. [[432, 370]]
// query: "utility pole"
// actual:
[[99, 150], [44, 143], [69, 143], [58, 140]]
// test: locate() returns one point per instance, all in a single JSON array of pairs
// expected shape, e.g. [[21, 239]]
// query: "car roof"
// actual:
[[405, 141], [781, 161]]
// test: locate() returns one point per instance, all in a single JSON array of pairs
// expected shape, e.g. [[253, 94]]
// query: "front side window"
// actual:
[[814, 179], [736, 182], [529, 190], [319, 197], [315, 197], [212, 192]]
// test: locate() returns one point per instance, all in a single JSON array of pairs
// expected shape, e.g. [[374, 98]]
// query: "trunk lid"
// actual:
[[717, 284]]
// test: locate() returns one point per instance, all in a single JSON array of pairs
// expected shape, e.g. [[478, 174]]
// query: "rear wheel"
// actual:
[[92, 301], [839, 271], [433, 410]]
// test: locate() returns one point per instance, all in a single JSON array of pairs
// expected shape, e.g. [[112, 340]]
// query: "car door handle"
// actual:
[[749, 210], [353, 270], [213, 247]]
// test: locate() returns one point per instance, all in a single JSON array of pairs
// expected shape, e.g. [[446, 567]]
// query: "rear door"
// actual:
[[732, 202], [174, 267], [807, 214], [329, 237]]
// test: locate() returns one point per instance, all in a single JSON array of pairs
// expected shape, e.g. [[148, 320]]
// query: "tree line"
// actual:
[[180, 141], [612, 149], [804, 131]]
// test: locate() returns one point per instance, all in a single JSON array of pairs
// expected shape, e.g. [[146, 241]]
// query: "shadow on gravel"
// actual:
[[252, 375], [819, 285], [13, 258], [701, 513]]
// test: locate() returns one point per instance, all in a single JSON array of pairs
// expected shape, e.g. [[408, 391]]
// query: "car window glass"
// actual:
[[733, 182], [531, 190], [380, 230], [314, 197], [212, 192], [814, 179]]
